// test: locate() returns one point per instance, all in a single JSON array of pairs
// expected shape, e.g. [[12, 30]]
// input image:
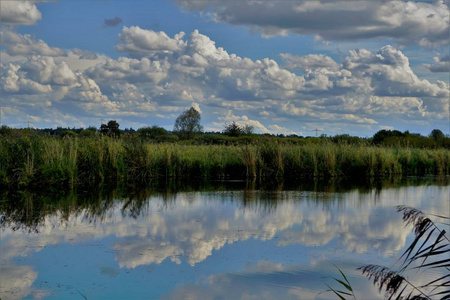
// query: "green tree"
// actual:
[[235, 129], [437, 134], [5, 130], [187, 125], [90, 131], [152, 132], [383, 135], [111, 129]]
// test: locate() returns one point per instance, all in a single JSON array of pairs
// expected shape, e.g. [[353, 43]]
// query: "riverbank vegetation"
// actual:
[[33, 158]]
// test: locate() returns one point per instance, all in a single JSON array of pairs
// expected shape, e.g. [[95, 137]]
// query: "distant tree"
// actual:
[[248, 129], [5, 130], [234, 129], [111, 129], [152, 132], [91, 128], [129, 130], [436, 134], [69, 133], [187, 125], [382, 135], [90, 131]]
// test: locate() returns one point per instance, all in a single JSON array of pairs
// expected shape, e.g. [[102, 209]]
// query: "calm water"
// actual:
[[232, 240]]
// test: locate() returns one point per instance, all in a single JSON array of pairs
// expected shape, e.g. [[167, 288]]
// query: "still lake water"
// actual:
[[217, 240]]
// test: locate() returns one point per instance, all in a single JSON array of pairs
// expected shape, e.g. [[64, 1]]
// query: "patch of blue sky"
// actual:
[[69, 25]]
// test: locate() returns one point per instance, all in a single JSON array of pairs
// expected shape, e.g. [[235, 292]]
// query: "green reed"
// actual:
[[27, 160]]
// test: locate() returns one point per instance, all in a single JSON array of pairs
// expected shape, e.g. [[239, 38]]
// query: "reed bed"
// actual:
[[33, 161]]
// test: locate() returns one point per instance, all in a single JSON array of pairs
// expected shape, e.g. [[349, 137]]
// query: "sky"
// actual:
[[284, 67]]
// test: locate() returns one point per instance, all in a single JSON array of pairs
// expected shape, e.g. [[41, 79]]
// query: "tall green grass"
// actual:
[[27, 161]]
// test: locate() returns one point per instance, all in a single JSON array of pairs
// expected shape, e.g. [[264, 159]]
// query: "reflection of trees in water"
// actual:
[[21, 212], [27, 210]]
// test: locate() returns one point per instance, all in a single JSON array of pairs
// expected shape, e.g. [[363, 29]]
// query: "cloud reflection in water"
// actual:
[[193, 226]]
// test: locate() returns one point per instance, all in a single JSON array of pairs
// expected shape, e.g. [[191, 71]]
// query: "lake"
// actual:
[[207, 240]]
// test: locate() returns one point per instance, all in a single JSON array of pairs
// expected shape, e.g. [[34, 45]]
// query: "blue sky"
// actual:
[[281, 66]]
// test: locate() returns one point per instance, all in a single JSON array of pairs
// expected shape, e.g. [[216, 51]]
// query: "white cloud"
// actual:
[[441, 64], [83, 54], [45, 70], [25, 45], [80, 60], [14, 81], [196, 107], [14, 12], [242, 120], [311, 61], [130, 70], [170, 74], [406, 22], [88, 90], [137, 40], [391, 74], [283, 130]]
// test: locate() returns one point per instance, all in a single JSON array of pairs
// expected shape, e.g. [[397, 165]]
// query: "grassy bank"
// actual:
[[32, 161]]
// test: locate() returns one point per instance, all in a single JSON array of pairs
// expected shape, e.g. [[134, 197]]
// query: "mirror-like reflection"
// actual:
[[206, 240]]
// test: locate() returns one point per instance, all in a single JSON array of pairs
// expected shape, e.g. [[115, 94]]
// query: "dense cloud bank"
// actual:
[[406, 22], [162, 75], [158, 75]]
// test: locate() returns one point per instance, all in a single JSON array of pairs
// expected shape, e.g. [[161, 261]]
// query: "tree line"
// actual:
[[187, 128]]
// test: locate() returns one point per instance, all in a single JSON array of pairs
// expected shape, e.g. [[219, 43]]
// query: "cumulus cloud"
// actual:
[[15, 81], [311, 61], [19, 12], [390, 73], [242, 120], [441, 64], [131, 70], [84, 54], [167, 74], [42, 82], [406, 22], [18, 44], [137, 40], [112, 22]]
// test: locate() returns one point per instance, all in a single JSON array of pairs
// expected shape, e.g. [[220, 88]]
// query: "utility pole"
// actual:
[[0, 116], [28, 123], [317, 130]]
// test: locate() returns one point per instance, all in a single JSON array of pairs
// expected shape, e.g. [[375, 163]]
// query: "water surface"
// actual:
[[229, 240]]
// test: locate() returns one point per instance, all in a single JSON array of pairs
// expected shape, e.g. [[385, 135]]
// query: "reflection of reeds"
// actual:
[[35, 160]]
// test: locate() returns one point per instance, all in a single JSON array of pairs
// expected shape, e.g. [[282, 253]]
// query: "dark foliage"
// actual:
[[111, 129], [437, 134], [155, 133], [382, 135], [235, 129], [187, 125]]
